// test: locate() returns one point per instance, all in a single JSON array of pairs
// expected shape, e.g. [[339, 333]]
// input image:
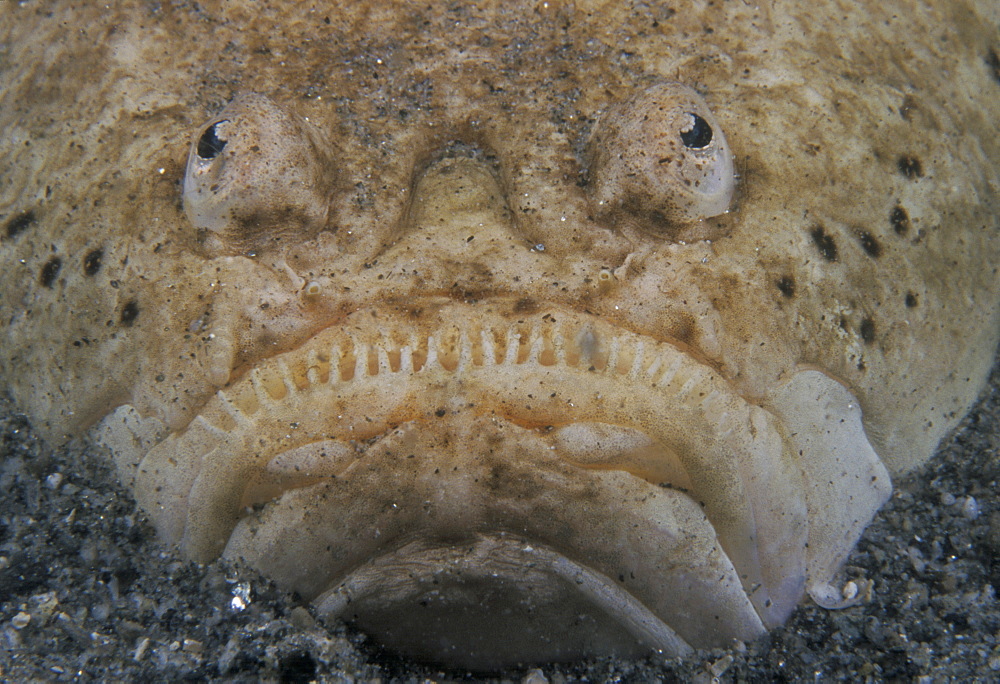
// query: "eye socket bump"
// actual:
[[256, 172], [661, 152]]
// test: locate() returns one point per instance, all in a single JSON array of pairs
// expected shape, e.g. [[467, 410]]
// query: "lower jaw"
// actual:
[[452, 552], [371, 467]]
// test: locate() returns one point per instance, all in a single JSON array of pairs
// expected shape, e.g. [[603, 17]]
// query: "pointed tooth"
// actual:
[[285, 373], [489, 349], [406, 359], [537, 345], [360, 361], [637, 360], [334, 365], [669, 372], [654, 367], [432, 354], [613, 351], [464, 351], [513, 344]]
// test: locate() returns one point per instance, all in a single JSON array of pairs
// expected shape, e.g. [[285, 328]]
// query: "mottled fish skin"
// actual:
[[268, 252]]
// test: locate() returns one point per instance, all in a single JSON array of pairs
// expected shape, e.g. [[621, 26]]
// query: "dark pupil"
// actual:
[[699, 135], [209, 144]]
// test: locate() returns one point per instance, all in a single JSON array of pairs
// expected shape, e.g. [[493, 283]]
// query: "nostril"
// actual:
[[210, 144], [696, 136]]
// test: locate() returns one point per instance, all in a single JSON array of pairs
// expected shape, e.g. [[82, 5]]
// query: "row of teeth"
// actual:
[[633, 359], [540, 347]]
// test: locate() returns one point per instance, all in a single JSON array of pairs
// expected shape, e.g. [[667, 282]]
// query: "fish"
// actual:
[[508, 332]]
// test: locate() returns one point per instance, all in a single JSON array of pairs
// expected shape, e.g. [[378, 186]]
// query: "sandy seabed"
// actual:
[[87, 594]]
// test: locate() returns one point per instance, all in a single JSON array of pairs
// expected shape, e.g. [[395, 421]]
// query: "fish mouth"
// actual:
[[471, 484]]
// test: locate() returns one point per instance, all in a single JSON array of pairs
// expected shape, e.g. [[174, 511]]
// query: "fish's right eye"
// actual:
[[256, 173]]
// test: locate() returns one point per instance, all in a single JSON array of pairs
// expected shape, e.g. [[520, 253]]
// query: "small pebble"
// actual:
[[970, 508], [54, 480], [301, 618], [535, 676], [850, 590], [721, 665], [141, 648], [21, 620]]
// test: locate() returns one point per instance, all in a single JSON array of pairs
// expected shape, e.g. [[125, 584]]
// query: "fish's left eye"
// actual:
[[696, 135], [661, 153]]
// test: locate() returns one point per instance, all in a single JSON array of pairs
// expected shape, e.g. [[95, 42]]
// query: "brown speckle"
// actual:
[[910, 166], [786, 284], [826, 245], [993, 62], [92, 262], [900, 220], [50, 271], [525, 305], [129, 313], [869, 243], [867, 330], [20, 223]]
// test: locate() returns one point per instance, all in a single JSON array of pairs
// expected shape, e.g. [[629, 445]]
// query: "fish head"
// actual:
[[493, 337]]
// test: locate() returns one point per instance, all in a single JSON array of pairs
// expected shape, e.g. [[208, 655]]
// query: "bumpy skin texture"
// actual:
[[664, 406]]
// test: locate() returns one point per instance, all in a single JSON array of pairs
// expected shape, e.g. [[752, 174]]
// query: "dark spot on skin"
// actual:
[[440, 413], [20, 223], [210, 144], [911, 300], [993, 62], [699, 135], [130, 312], [870, 244], [525, 305], [867, 330], [910, 166], [49, 271], [826, 245], [684, 329], [900, 220], [787, 285], [92, 262]]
